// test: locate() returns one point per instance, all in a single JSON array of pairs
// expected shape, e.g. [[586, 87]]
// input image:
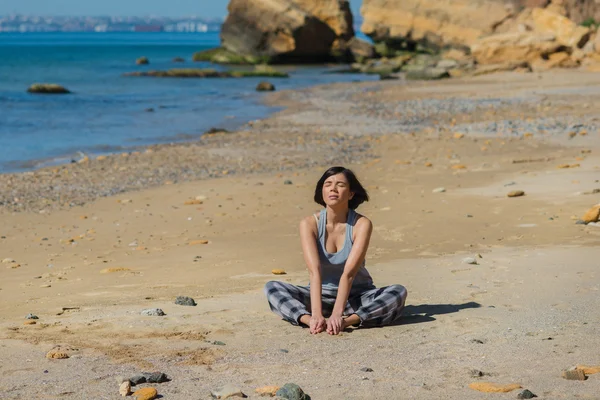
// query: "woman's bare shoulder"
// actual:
[[309, 221], [362, 222]]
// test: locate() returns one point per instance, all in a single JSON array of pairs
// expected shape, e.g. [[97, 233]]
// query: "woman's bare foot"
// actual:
[[305, 319], [350, 320]]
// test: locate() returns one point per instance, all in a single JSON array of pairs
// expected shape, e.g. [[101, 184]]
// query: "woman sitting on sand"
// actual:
[[335, 243]]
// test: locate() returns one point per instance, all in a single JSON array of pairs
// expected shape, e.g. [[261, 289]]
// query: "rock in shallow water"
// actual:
[[291, 391], [185, 301], [153, 312]]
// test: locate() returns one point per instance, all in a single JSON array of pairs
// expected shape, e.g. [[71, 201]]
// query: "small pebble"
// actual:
[[366, 369], [185, 301], [125, 389], [153, 312], [469, 260], [516, 193], [475, 373], [31, 316], [526, 394], [226, 392], [287, 182], [284, 350], [438, 190]]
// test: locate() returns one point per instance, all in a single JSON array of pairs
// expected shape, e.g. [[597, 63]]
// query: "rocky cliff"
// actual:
[[287, 30]]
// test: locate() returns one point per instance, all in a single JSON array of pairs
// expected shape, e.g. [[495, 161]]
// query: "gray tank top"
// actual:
[[332, 264]]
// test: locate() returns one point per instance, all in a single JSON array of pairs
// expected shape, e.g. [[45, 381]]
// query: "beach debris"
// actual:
[[287, 182], [516, 193], [153, 312], [226, 392], [185, 301], [592, 215], [475, 373], [31, 316], [366, 369], [125, 389], [265, 87], [574, 374], [56, 354], [438, 190], [155, 377], [138, 379], [291, 391], [278, 272], [111, 270], [488, 387], [195, 242], [469, 260], [526, 394], [148, 393], [588, 370], [142, 61], [267, 390]]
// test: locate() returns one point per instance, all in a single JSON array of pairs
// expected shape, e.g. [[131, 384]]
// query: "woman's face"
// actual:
[[336, 190]]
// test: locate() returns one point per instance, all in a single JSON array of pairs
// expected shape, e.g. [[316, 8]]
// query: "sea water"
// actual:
[[109, 112]]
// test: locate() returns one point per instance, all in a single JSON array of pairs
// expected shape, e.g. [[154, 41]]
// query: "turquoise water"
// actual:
[[107, 112]]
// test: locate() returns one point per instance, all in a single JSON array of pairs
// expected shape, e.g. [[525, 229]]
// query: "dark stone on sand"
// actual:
[[138, 379], [291, 391], [153, 312], [31, 316], [579, 222], [265, 87], [284, 350], [156, 377], [218, 343], [366, 369], [185, 301], [475, 373], [526, 394], [287, 182]]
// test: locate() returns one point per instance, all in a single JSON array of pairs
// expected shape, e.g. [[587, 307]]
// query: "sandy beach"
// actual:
[[87, 246]]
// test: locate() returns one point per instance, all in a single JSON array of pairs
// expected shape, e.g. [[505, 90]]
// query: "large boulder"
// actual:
[[287, 30], [433, 23]]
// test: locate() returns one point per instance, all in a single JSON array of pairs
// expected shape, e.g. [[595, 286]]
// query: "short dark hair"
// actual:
[[360, 193]]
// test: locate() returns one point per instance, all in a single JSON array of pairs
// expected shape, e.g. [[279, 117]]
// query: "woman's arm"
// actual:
[[308, 237], [362, 230]]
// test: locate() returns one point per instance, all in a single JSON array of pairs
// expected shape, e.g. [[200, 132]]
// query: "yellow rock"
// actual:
[[192, 202], [83, 217], [459, 166], [487, 387], [57, 355], [100, 158], [278, 272], [195, 242], [583, 133], [563, 166], [402, 162], [148, 393], [428, 164], [111, 270], [592, 215], [516, 193], [267, 390], [29, 322], [588, 370], [458, 135], [528, 135], [574, 165]]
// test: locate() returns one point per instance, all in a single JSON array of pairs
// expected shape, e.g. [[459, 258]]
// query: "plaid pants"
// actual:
[[375, 307]]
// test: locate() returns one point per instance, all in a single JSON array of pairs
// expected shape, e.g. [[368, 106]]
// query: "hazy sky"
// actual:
[[206, 8]]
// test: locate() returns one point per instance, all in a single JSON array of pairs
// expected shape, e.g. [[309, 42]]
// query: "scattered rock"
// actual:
[[185, 301], [459, 166], [291, 391], [469, 260], [125, 389], [8, 261], [138, 379], [278, 272], [438, 190], [45, 286], [195, 242], [592, 215], [31, 316], [56, 355], [267, 390], [588, 370], [193, 202], [487, 387], [475, 373], [148, 393], [153, 312], [265, 87], [29, 322], [428, 164], [156, 377], [142, 61], [526, 394], [226, 392], [516, 193], [458, 135], [366, 369], [579, 222], [574, 374], [287, 182], [48, 88]]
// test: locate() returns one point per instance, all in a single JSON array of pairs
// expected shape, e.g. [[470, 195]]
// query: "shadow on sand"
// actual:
[[413, 314]]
